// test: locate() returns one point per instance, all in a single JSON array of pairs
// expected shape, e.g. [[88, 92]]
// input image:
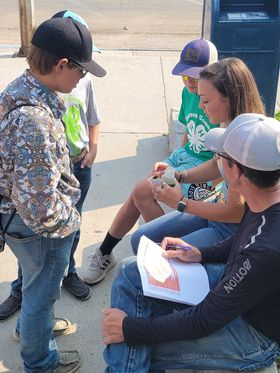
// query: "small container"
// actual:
[[169, 177]]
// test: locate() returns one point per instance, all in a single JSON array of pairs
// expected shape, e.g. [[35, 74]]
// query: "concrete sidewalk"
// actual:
[[135, 99]]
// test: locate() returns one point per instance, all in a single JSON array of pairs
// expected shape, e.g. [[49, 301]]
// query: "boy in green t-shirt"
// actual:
[[194, 57]]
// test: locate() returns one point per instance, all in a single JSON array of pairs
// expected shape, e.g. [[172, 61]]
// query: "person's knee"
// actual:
[[135, 239], [125, 263], [142, 192], [125, 270]]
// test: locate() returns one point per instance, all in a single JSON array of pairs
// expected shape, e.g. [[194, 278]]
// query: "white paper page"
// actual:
[[170, 279]]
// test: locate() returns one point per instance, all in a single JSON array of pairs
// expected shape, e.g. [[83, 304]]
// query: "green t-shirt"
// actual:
[[197, 125]]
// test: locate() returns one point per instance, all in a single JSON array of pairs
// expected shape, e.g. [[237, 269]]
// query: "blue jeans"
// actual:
[[192, 229], [43, 262], [237, 346], [83, 175]]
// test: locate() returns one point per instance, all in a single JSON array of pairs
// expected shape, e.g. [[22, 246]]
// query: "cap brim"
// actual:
[[214, 140], [185, 69], [93, 68]]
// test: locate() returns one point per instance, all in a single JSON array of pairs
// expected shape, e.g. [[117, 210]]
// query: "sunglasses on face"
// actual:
[[225, 157], [232, 161], [82, 69], [185, 78]]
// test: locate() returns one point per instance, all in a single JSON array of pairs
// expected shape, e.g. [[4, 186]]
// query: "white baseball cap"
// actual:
[[253, 140]]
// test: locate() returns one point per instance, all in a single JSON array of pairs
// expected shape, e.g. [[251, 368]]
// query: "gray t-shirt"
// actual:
[[81, 112]]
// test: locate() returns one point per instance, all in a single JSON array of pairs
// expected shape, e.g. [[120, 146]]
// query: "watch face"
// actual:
[[181, 206]]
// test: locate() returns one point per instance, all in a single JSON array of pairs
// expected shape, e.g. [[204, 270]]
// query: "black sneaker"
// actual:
[[76, 286], [9, 307]]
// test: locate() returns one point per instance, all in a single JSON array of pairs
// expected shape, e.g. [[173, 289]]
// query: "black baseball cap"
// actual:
[[66, 38], [69, 14]]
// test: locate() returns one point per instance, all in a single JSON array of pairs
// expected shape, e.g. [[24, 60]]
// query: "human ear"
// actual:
[[61, 64], [237, 175]]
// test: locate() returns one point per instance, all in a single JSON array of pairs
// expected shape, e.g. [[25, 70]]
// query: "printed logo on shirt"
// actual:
[[196, 135], [238, 276], [74, 125], [199, 191]]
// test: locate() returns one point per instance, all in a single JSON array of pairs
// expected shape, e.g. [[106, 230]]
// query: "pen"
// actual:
[[171, 246]]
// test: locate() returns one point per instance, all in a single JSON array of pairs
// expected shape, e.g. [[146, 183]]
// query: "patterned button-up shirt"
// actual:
[[35, 174]]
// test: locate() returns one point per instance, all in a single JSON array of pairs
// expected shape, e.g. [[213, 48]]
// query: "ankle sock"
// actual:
[[108, 244]]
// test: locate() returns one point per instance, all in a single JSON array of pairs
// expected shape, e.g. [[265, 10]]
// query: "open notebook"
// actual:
[[170, 279]]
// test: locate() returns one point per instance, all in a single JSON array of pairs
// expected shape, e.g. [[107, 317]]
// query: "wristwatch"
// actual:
[[182, 205]]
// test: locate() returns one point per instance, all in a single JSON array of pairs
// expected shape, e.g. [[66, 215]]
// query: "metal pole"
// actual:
[[203, 18], [26, 21]]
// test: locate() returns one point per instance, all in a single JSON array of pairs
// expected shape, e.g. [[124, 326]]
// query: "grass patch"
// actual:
[[277, 115]]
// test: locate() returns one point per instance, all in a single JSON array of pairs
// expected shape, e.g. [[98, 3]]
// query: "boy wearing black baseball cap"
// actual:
[[68, 39], [37, 182], [82, 119]]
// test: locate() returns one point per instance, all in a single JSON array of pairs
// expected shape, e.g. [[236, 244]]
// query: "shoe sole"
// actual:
[[100, 278], [56, 333], [74, 369], [61, 332], [15, 336]]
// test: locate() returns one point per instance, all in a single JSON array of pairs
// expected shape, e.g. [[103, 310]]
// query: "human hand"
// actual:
[[168, 195], [159, 168], [190, 254], [112, 325], [89, 158]]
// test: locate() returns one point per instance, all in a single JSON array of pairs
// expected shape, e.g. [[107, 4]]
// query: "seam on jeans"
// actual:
[[131, 359], [132, 350], [247, 365], [53, 258]]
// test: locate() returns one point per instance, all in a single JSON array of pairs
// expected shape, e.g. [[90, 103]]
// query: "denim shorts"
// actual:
[[181, 159]]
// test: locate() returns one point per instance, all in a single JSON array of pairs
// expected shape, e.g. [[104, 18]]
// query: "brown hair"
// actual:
[[40, 60], [233, 79]]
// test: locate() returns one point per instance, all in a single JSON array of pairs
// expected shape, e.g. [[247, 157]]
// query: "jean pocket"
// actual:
[[28, 250]]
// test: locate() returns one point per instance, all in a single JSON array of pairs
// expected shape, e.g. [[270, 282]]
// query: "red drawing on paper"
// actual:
[[160, 272]]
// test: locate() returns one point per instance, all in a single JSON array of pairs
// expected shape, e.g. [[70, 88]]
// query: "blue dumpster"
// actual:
[[249, 30]]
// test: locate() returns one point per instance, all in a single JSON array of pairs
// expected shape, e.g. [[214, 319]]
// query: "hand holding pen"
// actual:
[[177, 248], [173, 246]]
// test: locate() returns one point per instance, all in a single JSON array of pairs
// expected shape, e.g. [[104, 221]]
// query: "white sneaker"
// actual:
[[97, 267]]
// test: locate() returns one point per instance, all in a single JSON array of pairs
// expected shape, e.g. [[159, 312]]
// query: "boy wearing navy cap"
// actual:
[[194, 57], [36, 181]]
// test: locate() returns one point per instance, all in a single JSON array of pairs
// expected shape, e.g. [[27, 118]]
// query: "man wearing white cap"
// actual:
[[236, 327]]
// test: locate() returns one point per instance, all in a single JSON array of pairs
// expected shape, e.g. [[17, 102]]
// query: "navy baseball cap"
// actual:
[[67, 38], [194, 57]]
